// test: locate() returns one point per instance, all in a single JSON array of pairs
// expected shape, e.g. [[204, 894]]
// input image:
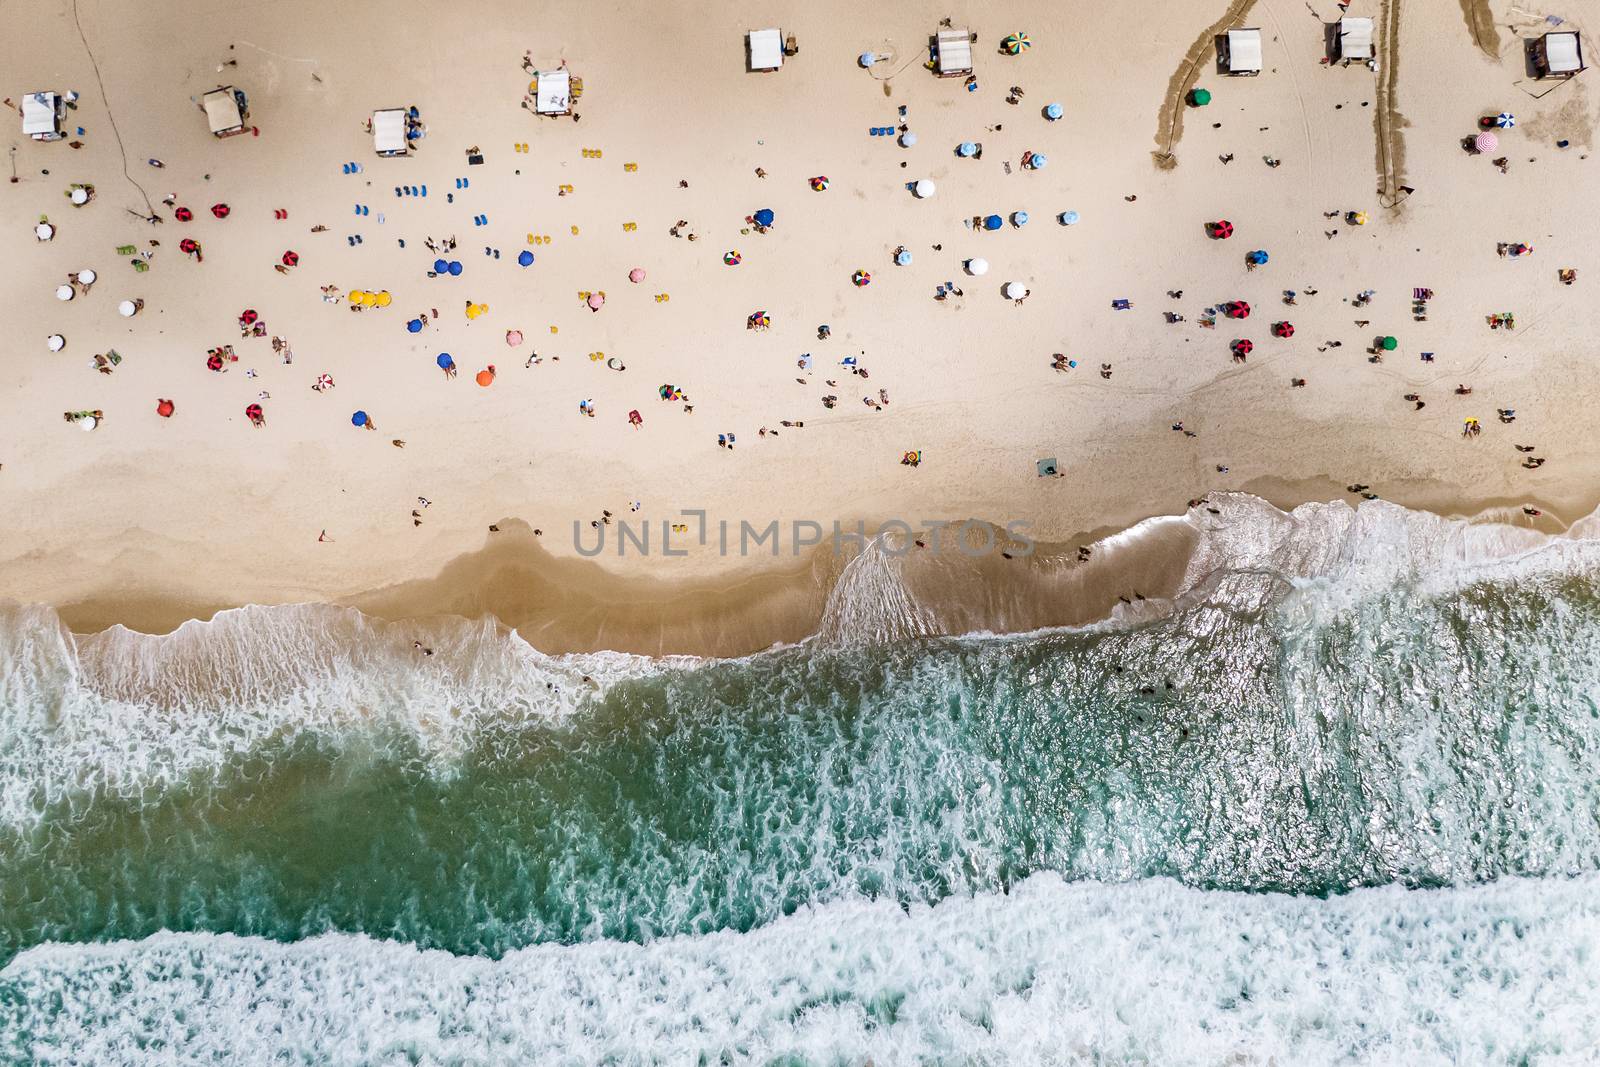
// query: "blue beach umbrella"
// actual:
[[1052, 111], [993, 222], [866, 59], [966, 150], [444, 361], [1069, 218], [764, 217], [455, 268], [902, 258], [1505, 120], [1038, 161], [358, 419], [414, 326], [1019, 218], [525, 259], [1258, 257], [440, 266]]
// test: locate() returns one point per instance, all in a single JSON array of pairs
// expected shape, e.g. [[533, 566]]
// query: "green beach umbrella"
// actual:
[[1390, 344], [1200, 97]]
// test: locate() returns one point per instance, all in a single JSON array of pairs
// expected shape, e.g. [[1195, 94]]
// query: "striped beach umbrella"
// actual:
[[1505, 120], [1016, 43], [1486, 141]]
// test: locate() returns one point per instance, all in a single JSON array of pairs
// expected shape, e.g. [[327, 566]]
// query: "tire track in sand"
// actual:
[[1387, 122], [1169, 120], [1480, 23]]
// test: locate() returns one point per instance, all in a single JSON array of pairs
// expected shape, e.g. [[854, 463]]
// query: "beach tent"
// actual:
[[953, 53], [1355, 39], [389, 131], [554, 92], [225, 111], [1241, 52], [1558, 55], [42, 116], [766, 49]]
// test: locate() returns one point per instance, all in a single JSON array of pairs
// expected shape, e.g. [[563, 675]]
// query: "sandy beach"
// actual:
[[149, 520]]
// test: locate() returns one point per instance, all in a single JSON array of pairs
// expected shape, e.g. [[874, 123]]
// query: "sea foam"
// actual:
[[1052, 973]]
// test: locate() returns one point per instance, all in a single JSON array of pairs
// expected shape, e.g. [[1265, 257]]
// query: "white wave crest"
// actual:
[[1050, 974]]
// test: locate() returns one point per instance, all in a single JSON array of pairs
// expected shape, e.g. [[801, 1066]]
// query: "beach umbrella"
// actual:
[[127, 309], [44, 231], [358, 419], [79, 196], [1014, 290], [189, 246], [1222, 230], [1038, 161], [1238, 309], [1357, 218], [1069, 218], [441, 266], [221, 211], [87, 277], [455, 268], [214, 362], [1505, 120], [764, 217], [1199, 97], [1243, 347], [525, 258], [923, 189], [55, 342], [966, 149], [324, 381], [902, 258], [444, 361], [908, 139], [414, 326], [355, 295], [866, 59], [636, 275], [819, 183], [1016, 44], [977, 267], [382, 300], [183, 214], [1019, 218], [165, 408], [1052, 112], [860, 278], [1390, 344], [513, 338], [1283, 329], [369, 300], [248, 316], [65, 292], [254, 413], [1486, 141], [1256, 258], [596, 301], [291, 258], [993, 222], [732, 258], [87, 423], [485, 377]]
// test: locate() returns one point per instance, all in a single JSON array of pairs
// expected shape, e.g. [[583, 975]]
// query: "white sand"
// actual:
[[204, 506]]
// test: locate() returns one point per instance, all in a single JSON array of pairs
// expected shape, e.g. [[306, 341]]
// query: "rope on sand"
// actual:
[[99, 80]]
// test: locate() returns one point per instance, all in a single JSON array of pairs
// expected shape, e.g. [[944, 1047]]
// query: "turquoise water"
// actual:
[[1299, 726]]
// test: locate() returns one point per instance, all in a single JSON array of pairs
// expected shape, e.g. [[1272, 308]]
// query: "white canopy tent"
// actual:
[[1243, 51], [554, 95], [389, 131], [954, 48], [1562, 53], [42, 114], [223, 111], [1355, 38], [766, 49]]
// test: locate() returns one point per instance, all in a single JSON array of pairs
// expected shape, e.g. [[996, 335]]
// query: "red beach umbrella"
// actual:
[[291, 258], [183, 214], [214, 362], [1283, 329], [1236, 309], [1222, 230], [165, 408], [248, 316], [1243, 347], [220, 210], [255, 414], [189, 246]]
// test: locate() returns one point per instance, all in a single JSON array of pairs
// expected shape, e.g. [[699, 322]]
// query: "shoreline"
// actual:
[[562, 604]]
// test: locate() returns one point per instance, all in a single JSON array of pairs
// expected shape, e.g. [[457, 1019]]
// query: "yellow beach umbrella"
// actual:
[[384, 299], [369, 300], [356, 295]]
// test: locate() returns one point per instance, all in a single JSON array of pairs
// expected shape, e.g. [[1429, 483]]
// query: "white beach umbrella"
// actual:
[[1505, 120], [87, 423], [55, 342], [44, 231], [908, 139], [65, 292], [80, 196], [127, 309], [1015, 290], [923, 189], [87, 277], [977, 267]]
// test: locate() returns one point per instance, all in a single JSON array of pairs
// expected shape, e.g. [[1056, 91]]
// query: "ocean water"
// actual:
[[1335, 802]]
